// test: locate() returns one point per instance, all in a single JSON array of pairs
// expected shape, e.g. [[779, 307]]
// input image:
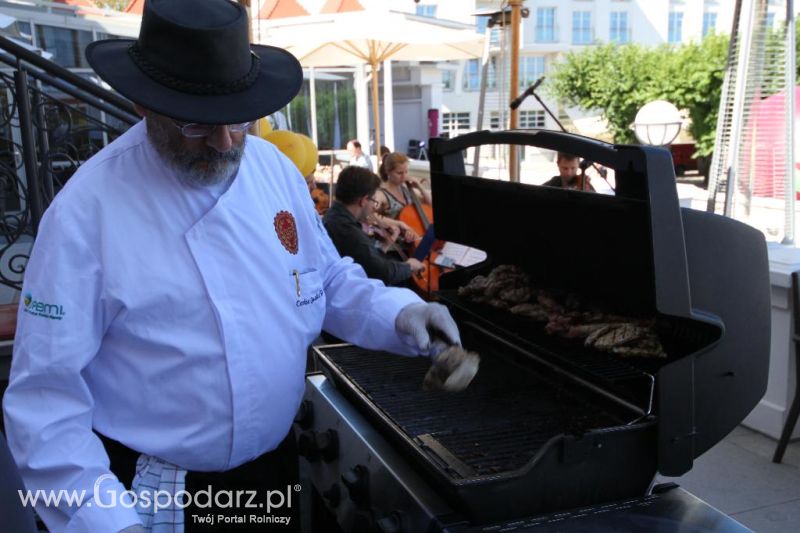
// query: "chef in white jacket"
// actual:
[[176, 282]]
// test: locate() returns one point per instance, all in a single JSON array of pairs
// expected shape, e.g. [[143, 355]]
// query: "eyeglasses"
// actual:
[[375, 203], [193, 130]]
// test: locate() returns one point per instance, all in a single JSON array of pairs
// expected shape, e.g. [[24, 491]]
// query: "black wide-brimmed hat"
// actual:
[[193, 62]]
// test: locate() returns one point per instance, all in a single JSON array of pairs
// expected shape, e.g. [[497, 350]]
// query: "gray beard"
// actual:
[[196, 169]]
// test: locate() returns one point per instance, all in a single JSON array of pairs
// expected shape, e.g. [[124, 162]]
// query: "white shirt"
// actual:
[[167, 317], [361, 160]]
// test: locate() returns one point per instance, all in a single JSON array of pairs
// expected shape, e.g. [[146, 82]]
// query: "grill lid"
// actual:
[[638, 251]]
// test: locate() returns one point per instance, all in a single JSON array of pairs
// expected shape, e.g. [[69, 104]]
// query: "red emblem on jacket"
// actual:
[[286, 230]]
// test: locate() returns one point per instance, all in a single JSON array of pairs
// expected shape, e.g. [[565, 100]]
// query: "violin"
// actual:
[[373, 230]]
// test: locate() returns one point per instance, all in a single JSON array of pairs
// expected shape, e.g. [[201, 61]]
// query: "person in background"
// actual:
[[568, 171], [321, 199], [357, 156], [354, 205], [398, 186], [174, 286]]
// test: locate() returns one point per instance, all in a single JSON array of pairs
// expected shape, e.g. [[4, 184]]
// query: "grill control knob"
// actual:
[[315, 444], [306, 446], [357, 482], [333, 495], [305, 414]]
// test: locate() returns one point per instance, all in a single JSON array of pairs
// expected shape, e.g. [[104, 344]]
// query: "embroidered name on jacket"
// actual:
[[38, 308], [310, 300]]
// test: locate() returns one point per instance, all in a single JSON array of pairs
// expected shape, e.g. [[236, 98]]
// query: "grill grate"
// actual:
[[497, 425]]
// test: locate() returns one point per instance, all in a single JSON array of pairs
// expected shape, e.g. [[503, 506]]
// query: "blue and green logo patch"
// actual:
[[43, 309]]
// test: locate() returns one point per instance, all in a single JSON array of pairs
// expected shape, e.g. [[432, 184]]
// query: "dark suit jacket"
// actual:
[[350, 240]]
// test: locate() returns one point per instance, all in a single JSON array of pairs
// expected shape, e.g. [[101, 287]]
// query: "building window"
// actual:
[[709, 22], [455, 124], [531, 68], [494, 35], [494, 120], [448, 80], [66, 45], [24, 30], [618, 32], [675, 27], [472, 75], [546, 25], [581, 27], [531, 119], [426, 11]]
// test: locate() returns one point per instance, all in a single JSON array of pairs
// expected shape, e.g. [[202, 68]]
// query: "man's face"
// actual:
[[568, 169], [368, 206], [351, 149], [197, 161]]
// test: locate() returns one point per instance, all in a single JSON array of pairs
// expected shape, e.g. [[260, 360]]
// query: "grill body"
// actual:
[[549, 426]]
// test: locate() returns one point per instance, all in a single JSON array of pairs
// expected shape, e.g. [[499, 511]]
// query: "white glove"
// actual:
[[134, 529], [430, 325]]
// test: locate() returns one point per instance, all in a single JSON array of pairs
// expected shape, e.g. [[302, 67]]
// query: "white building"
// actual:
[[554, 28]]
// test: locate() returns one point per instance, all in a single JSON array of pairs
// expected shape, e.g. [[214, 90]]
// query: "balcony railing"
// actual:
[[51, 121]]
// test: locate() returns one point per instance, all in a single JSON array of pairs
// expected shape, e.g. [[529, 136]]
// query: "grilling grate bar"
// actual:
[[497, 425]]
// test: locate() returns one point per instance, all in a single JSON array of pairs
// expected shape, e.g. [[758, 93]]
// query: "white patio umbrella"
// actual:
[[371, 37]]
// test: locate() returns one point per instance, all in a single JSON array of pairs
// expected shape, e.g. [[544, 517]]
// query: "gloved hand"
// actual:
[[430, 325], [134, 529]]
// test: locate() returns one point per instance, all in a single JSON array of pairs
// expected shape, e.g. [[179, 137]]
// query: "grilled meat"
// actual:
[[507, 287], [627, 340], [534, 311]]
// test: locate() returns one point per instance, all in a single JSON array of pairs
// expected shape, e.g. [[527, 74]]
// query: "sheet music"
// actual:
[[462, 255]]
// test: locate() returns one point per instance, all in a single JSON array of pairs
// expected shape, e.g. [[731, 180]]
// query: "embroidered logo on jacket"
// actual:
[[46, 310], [286, 229]]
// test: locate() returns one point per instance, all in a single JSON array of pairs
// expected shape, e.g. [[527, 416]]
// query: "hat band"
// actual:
[[191, 87]]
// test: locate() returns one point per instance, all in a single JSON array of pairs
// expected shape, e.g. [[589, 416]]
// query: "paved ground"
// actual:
[[738, 477]]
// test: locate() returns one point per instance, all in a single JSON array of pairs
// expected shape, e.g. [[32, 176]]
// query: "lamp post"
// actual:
[[657, 123]]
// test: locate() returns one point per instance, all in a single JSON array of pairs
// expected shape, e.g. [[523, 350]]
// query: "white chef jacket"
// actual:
[[168, 317]]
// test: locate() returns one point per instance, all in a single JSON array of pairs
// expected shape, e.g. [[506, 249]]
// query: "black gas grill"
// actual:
[[549, 424]]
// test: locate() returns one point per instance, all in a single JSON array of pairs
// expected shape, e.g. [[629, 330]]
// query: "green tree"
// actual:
[[613, 80], [618, 80], [695, 84]]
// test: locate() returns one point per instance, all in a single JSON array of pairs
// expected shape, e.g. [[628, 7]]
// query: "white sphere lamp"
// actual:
[[657, 123]]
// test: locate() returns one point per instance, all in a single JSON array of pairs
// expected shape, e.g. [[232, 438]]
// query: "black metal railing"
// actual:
[[51, 121]]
